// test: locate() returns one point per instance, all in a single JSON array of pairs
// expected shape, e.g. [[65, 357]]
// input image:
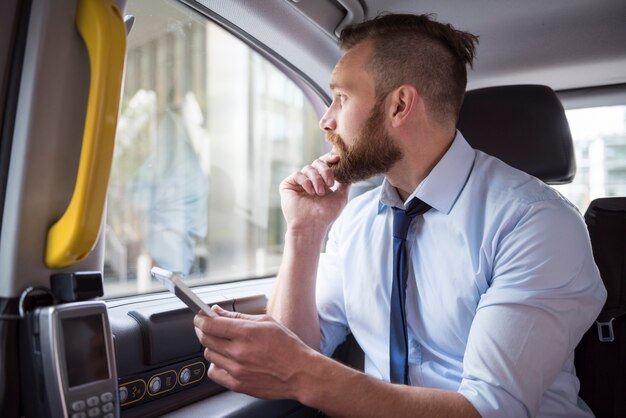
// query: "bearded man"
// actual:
[[466, 282]]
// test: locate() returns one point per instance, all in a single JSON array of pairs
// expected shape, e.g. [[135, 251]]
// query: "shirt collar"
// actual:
[[443, 184]]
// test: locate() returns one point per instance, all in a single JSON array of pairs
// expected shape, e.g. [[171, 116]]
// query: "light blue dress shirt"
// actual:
[[502, 286]]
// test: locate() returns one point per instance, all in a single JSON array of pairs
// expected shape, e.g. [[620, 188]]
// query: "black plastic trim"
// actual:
[[154, 332], [9, 358]]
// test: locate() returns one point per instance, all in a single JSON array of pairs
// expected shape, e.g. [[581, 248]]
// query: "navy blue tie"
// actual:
[[398, 340]]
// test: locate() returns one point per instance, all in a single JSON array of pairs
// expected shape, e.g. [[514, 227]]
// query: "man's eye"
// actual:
[[341, 98]]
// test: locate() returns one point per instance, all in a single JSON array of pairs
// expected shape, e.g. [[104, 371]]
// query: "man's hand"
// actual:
[[307, 197], [252, 354]]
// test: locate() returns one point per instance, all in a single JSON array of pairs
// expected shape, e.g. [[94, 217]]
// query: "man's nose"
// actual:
[[327, 122]]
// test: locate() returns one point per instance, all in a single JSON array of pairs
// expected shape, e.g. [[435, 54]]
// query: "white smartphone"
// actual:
[[177, 286]]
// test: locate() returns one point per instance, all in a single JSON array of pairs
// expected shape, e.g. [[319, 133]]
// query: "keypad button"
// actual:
[[107, 407], [79, 415], [185, 376], [78, 405], [93, 401], [135, 391], [94, 412], [108, 416], [123, 394], [155, 384], [106, 397]]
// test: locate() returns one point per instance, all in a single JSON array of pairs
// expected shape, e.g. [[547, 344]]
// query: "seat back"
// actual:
[[601, 355], [524, 126]]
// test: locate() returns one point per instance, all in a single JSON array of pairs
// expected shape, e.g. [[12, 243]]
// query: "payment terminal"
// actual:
[[70, 363]]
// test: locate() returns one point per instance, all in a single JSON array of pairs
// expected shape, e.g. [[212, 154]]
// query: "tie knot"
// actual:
[[402, 218]]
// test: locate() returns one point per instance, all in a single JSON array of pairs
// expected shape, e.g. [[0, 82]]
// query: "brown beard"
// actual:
[[373, 151]]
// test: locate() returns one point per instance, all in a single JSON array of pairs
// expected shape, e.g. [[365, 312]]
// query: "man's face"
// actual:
[[372, 152], [355, 122]]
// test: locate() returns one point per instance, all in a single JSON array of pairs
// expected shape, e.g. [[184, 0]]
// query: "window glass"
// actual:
[[599, 135], [208, 128]]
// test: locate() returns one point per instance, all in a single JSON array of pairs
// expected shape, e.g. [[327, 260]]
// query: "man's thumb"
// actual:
[[229, 314]]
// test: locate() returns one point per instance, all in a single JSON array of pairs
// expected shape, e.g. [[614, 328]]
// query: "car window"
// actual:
[[599, 135], [208, 128]]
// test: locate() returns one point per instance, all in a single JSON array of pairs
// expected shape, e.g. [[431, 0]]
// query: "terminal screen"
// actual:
[[85, 350]]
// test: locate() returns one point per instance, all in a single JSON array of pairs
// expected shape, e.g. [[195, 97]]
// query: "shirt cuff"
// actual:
[[491, 401]]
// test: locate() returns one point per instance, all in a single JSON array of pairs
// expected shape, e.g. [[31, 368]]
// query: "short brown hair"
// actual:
[[418, 50]]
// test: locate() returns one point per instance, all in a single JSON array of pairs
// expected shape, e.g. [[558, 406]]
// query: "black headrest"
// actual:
[[524, 126]]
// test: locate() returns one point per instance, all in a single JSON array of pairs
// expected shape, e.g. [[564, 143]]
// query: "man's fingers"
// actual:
[[235, 315], [324, 170], [221, 361], [221, 326], [307, 180], [220, 376], [304, 182], [315, 178], [314, 174], [211, 342], [228, 325], [330, 158]]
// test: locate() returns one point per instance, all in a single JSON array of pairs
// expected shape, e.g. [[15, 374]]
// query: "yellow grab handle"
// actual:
[[72, 237]]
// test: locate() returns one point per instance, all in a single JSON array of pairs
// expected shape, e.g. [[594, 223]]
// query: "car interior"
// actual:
[[137, 133]]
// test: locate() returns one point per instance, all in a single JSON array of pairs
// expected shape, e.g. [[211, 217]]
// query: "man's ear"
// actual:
[[404, 101]]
